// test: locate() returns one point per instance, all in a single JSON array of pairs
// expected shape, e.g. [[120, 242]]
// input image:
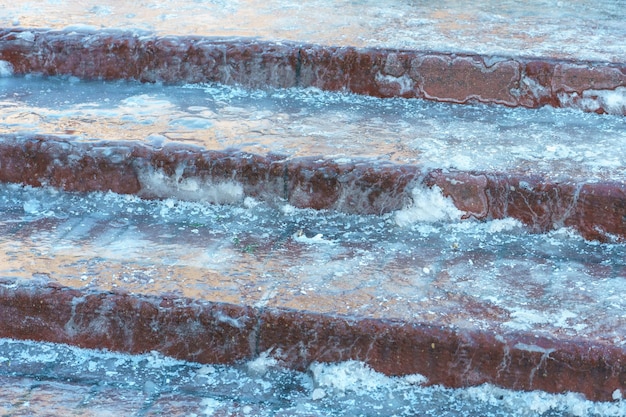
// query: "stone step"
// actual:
[[440, 76], [462, 303], [548, 168]]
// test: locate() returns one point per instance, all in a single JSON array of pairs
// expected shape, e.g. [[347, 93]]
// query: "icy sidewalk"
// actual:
[[284, 223], [583, 30], [43, 378]]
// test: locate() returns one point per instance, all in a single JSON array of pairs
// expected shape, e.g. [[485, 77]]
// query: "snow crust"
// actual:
[[155, 182], [406, 272], [612, 101], [585, 29]]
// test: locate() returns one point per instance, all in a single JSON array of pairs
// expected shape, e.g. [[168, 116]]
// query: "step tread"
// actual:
[[561, 144], [584, 30], [473, 275]]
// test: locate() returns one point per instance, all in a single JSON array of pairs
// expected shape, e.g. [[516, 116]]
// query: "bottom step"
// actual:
[[462, 303], [45, 378]]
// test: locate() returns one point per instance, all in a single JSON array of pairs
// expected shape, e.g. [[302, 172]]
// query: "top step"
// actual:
[[588, 30], [530, 55]]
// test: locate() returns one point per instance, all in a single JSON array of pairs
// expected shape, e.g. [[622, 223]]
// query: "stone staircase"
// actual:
[[291, 197]]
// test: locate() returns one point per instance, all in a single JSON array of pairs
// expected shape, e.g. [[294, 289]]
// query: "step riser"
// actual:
[[454, 78], [224, 333], [596, 210]]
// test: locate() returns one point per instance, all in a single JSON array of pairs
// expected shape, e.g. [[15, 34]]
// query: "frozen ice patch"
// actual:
[[502, 225], [317, 239], [526, 319], [6, 69], [262, 364], [428, 205], [26, 36], [346, 376], [156, 183], [611, 101]]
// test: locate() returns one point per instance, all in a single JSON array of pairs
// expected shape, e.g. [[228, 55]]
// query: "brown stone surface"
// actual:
[[596, 210], [436, 76], [223, 333], [112, 55], [177, 327], [452, 357]]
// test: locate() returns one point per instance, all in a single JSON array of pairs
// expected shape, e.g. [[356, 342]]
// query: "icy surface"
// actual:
[[152, 382], [304, 122], [489, 276], [584, 29]]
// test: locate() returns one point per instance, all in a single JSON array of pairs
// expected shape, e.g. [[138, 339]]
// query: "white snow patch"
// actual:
[[346, 376], [561, 319], [262, 364], [537, 402], [526, 319], [6, 69], [612, 101], [26, 35], [212, 406], [317, 239], [405, 82], [318, 394], [502, 225], [155, 182], [428, 205]]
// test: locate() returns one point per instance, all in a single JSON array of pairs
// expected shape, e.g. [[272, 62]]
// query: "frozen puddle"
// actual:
[[40, 378], [559, 143], [406, 265]]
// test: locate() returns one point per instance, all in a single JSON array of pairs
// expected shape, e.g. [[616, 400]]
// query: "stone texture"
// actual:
[[111, 55], [436, 76], [462, 79], [120, 322], [595, 209]]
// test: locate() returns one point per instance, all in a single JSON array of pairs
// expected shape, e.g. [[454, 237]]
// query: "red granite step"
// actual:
[[460, 303], [447, 77], [225, 333], [595, 209]]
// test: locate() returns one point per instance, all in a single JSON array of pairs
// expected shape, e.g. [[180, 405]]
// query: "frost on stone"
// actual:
[[609, 101]]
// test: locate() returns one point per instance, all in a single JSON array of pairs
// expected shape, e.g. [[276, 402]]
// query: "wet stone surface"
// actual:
[[548, 168], [306, 122], [589, 30]]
